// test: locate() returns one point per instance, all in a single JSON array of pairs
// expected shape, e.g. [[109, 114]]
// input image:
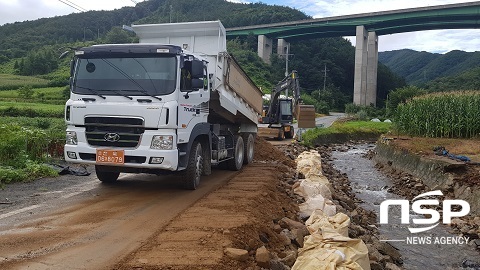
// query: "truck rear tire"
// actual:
[[249, 148], [194, 168], [236, 163], [104, 175]]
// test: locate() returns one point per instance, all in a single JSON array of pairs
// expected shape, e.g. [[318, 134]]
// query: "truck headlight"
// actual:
[[162, 142], [71, 138]]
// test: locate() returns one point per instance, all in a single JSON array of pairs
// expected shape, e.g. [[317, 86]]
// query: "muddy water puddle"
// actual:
[[435, 248]]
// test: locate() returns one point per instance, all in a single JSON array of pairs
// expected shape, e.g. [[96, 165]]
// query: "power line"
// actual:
[[68, 1], [135, 2], [73, 5]]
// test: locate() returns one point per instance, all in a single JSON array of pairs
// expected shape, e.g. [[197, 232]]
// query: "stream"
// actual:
[[425, 250]]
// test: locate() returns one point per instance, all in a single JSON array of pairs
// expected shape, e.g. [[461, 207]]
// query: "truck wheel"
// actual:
[[290, 134], [281, 134], [249, 148], [194, 168], [235, 164], [104, 175]]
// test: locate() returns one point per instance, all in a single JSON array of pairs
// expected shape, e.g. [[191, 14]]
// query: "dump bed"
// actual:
[[237, 94]]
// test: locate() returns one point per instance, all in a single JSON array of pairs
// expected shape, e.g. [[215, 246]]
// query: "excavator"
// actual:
[[282, 110]]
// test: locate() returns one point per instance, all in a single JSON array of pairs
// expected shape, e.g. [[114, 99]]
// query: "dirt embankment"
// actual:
[[252, 222]]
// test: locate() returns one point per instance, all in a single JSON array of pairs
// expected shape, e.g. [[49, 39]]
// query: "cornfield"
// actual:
[[442, 115]]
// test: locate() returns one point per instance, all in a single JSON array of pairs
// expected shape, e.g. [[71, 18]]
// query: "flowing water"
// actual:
[[371, 186]]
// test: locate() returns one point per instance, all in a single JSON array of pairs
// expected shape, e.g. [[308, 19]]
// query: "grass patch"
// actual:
[[9, 81], [345, 130], [31, 109], [46, 95], [54, 127], [47, 92]]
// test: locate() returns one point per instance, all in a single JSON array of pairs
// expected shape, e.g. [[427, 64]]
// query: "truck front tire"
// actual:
[[235, 164], [194, 168], [104, 175]]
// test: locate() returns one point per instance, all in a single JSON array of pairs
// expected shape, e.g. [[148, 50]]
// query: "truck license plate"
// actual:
[[110, 156]]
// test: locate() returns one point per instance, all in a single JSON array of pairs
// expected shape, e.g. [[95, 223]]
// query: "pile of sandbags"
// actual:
[[328, 245]]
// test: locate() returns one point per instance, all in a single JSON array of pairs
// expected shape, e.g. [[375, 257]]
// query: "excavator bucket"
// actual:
[[305, 115]]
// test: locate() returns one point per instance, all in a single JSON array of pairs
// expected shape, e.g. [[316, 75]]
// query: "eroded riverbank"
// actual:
[[436, 249]]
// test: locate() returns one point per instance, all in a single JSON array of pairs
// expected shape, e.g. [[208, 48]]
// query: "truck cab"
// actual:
[[155, 108]]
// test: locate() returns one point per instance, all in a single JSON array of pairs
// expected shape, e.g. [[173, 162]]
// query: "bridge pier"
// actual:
[[366, 65], [265, 48], [372, 67], [283, 47], [360, 80]]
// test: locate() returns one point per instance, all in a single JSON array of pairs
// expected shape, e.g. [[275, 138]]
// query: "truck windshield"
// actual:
[[139, 76]]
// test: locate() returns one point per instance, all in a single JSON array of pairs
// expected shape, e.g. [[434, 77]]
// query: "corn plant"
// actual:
[[444, 115]]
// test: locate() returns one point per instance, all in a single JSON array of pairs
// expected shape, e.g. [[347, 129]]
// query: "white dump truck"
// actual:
[[174, 102]]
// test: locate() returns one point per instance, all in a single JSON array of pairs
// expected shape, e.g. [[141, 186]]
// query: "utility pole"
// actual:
[[171, 11], [286, 62], [324, 77]]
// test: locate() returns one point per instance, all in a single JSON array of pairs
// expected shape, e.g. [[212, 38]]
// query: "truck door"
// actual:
[[193, 100]]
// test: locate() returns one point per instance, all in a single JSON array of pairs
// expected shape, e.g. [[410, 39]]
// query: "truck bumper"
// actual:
[[139, 157]]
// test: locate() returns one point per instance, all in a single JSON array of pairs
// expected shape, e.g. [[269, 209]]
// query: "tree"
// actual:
[[118, 36], [401, 95]]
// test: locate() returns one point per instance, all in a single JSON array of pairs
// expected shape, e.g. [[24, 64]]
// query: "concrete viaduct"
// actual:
[[366, 27]]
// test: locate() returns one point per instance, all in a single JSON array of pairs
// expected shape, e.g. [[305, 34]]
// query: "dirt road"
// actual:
[[144, 222], [95, 227]]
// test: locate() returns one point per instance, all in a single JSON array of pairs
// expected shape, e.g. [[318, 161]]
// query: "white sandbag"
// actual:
[[308, 189], [329, 247], [309, 163], [320, 223], [317, 202]]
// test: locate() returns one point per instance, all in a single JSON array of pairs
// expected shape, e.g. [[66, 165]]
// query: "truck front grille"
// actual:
[[114, 131]]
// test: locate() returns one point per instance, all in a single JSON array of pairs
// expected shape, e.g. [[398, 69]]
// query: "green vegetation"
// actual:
[[345, 130], [24, 147], [468, 80], [364, 112], [10, 81], [444, 115], [50, 95], [30, 109], [401, 95]]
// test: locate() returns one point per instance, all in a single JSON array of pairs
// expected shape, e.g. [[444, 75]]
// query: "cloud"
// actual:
[[440, 41], [22, 10]]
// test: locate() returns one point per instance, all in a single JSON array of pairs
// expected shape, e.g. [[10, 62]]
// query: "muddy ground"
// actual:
[[236, 220]]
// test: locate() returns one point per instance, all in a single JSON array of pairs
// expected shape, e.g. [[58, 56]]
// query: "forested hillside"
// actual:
[[465, 81], [419, 68], [31, 48], [18, 38]]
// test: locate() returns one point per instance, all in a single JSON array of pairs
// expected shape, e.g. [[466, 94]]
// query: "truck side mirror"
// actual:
[[197, 69]]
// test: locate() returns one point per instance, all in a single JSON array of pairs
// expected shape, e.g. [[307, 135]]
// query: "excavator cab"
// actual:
[[282, 110]]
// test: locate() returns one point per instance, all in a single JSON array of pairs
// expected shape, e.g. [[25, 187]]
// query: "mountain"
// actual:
[[419, 68]]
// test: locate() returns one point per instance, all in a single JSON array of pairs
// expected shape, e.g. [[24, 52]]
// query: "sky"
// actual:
[[438, 41]]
